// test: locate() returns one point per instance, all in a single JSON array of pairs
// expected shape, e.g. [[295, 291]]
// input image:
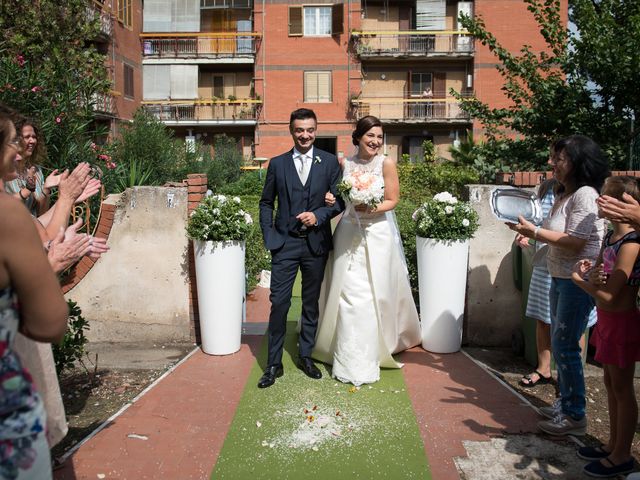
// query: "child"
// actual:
[[614, 286]]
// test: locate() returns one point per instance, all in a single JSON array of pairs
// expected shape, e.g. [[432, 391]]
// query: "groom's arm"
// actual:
[[325, 214], [267, 200]]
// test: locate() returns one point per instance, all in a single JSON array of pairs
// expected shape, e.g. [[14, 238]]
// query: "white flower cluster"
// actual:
[[445, 197], [445, 218], [219, 218]]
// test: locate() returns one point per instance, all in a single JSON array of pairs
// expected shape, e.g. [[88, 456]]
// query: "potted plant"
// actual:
[[218, 228], [444, 226]]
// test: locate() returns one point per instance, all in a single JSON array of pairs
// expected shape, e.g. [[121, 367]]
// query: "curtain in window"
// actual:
[[184, 82], [155, 82], [430, 14], [317, 20]]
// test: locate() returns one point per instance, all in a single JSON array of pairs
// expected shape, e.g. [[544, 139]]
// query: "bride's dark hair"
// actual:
[[363, 126]]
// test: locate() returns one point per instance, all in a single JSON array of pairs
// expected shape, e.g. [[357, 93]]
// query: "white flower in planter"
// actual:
[[445, 197]]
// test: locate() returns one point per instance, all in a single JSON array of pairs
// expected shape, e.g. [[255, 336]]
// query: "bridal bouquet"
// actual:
[[362, 189], [444, 217], [219, 218]]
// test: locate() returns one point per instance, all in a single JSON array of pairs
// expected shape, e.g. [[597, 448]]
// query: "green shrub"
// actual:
[[225, 167], [419, 181], [71, 348], [257, 257], [249, 183]]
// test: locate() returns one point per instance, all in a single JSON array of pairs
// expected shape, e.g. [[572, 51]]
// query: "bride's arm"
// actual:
[[391, 186]]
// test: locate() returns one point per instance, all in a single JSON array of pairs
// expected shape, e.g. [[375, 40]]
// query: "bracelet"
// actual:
[[24, 198], [535, 233]]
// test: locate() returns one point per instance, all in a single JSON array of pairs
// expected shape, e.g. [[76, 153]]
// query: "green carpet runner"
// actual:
[[322, 429]]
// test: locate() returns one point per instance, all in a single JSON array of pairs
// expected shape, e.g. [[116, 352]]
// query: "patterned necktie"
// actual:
[[303, 171]]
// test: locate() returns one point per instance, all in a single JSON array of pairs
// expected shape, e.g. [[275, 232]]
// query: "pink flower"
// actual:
[[20, 59], [58, 119], [111, 165], [94, 147], [104, 157], [36, 89]]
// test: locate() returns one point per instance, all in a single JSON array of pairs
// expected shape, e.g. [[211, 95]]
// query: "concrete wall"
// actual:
[[139, 290], [493, 302]]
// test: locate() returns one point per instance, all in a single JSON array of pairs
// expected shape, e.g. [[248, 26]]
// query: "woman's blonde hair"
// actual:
[[617, 185]]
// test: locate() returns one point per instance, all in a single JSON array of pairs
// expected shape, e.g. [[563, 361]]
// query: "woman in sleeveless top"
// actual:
[[30, 302], [367, 312]]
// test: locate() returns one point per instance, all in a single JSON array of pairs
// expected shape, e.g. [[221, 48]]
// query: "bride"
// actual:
[[367, 312]]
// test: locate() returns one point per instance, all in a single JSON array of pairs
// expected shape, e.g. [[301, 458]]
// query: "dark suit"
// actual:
[[292, 247]]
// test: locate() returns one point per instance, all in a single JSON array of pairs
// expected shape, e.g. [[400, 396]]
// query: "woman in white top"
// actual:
[[574, 232], [367, 312]]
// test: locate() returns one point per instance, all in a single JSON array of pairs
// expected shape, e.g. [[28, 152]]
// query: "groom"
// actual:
[[300, 237]]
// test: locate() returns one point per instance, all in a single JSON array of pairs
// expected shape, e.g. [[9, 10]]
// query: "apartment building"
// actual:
[[119, 41], [240, 67]]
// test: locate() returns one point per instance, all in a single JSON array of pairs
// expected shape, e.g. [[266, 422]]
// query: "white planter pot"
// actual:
[[221, 294], [442, 280]]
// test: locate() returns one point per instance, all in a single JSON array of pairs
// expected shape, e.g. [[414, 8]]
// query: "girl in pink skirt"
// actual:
[[614, 284]]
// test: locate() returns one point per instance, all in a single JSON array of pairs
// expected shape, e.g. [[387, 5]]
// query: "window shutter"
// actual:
[[310, 87], [324, 87], [337, 20], [439, 84], [295, 21], [121, 7]]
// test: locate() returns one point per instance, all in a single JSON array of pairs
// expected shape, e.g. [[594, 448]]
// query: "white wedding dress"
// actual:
[[367, 312]]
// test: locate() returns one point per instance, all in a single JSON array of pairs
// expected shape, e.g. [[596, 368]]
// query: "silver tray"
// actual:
[[508, 203]]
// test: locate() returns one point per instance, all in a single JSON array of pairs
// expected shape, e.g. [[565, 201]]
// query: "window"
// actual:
[[421, 85], [128, 81], [124, 12], [218, 86], [316, 20], [317, 87]]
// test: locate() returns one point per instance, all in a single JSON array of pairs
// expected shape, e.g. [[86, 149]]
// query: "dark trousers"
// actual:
[[285, 262]]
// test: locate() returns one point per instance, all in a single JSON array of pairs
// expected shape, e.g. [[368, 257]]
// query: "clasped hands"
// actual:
[[585, 270]]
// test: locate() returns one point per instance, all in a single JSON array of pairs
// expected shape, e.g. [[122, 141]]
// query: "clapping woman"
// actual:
[[30, 302]]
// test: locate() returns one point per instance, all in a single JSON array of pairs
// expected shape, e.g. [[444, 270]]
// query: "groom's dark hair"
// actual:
[[302, 114]]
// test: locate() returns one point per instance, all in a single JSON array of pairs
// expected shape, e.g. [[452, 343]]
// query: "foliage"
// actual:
[[257, 258], [404, 211], [429, 151], [419, 180], [486, 161], [219, 218], [549, 92], [445, 218], [225, 167], [249, 183], [71, 348], [50, 71], [145, 154]]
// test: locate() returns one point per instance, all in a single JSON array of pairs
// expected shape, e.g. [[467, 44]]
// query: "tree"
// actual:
[[50, 70], [549, 91]]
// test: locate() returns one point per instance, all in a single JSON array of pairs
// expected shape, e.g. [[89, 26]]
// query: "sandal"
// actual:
[[528, 382], [608, 470]]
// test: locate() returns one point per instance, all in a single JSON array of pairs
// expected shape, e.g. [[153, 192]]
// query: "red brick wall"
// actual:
[[532, 179], [197, 188], [513, 26], [285, 59], [126, 49]]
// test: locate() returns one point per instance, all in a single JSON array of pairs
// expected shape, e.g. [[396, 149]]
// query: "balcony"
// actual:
[[411, 44], [104, 104], [236, 47], [105, 19], [205, 112], [411, 110]]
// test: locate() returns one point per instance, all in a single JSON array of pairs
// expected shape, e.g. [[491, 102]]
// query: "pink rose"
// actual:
[[58, 119]]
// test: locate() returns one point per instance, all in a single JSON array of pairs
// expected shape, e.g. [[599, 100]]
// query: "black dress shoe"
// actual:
[[270, 375], [307, 366]]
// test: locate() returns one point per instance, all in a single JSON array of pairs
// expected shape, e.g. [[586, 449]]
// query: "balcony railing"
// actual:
[[105, 18], [410, 110], [194, 111], [413, 43], [104, 103], [207, 45]]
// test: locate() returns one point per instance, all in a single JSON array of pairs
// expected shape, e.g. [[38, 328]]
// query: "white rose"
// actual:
[[445, 197], [216, 211], [248, 219], [448, 209], [465, 222], [236, 199]]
